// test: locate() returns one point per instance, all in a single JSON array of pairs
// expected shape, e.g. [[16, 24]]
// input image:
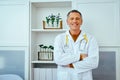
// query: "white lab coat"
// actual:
[[70, 53]]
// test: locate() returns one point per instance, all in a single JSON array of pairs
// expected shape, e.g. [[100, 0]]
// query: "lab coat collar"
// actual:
[[80, 37]]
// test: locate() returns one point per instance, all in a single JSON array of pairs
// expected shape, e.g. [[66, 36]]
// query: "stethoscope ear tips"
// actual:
[[85, 37]]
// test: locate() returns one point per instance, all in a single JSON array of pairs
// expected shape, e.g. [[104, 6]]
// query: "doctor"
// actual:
[[75, 52]]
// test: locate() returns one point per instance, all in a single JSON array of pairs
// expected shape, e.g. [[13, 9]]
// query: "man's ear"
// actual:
[[81, 21]]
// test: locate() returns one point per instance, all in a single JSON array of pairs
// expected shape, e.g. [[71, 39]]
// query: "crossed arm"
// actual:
[[79, 61], [82, 56]]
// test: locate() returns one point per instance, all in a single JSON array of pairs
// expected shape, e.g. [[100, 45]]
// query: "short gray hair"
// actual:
[[74, 11]]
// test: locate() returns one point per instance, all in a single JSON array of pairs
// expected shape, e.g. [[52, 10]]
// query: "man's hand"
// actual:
[[82, 56], [71, 65]]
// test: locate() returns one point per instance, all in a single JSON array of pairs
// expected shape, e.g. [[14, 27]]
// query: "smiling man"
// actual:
[[75, 52]]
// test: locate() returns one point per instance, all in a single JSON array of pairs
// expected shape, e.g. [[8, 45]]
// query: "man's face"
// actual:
[[74, 21]]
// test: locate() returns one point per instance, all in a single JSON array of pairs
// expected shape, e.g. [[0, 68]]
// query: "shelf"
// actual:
[[39, 10], [48, 30], [59, 3], [43, 62], [48, 0]]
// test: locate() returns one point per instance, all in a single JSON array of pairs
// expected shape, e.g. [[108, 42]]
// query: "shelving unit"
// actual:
[[39, 10]]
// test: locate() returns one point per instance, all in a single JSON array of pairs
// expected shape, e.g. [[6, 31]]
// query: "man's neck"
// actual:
[[75, 32]]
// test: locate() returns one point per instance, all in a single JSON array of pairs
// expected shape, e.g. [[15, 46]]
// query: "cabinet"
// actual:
[[14, 60], [101, 19], [14, 23], [14, 37], [39, 10]]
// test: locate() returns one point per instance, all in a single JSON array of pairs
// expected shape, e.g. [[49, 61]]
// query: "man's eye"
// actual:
[[74, 18], [77, 18], [71, 18]]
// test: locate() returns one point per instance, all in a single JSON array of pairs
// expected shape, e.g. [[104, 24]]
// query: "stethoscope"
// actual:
[[83, 42]]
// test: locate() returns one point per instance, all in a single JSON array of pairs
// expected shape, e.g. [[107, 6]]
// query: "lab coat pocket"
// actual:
[[63, 75]]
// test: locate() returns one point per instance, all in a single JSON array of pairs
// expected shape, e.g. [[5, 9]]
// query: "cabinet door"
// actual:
[[101, 20], [14, 60], [14, 23]]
